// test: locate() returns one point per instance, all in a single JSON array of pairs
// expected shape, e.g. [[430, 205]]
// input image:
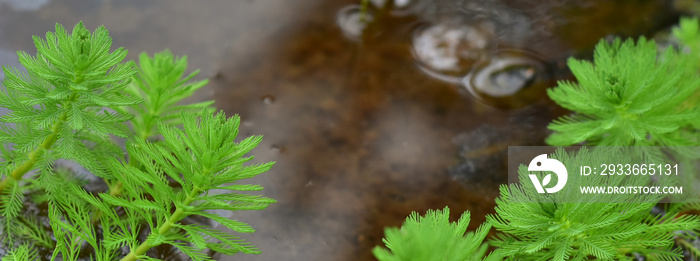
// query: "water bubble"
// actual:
[[268, 99], [514, 77], [451, 49], [353, 22], [396, 3], [399, 8], [504, 78], [401, 3]]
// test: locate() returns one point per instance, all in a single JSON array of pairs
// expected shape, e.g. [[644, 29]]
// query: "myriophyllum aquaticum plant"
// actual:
[[181, 161], [632, 95]]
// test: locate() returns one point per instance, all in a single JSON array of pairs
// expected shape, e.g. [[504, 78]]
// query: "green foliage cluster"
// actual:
[[421, 236], [182, 160], [629, 95], [540, 227]]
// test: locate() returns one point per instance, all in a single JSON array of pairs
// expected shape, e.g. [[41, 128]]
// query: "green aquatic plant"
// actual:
[[630, 95], [561, 226], [433, 237], [182, 160], [64, 106]]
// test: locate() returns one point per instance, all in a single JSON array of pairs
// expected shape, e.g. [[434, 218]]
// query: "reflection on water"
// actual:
[[24, 5], [353, 21], [363, 131]]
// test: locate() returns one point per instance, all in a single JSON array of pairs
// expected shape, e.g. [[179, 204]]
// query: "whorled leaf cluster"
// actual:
[[629, 95], [433, 237]]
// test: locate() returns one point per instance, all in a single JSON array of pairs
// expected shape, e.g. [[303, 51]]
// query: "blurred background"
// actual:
[[369, 115]]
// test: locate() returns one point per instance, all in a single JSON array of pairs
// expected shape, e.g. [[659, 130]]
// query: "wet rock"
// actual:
[[483, 152]]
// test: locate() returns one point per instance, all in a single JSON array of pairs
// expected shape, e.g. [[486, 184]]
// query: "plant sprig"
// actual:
[[162, 82], [201, 158], [65, 98], [630, 95], [433, 237]]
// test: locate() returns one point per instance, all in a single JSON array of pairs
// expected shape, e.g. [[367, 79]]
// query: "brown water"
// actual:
[[365, 127]]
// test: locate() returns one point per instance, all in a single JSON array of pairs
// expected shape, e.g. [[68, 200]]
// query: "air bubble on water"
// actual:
[[401, 3], [378, 3], [504, 75], [396, 3], [353, 22], [268, 99], [510, 79], [450, 49], [402, 8]]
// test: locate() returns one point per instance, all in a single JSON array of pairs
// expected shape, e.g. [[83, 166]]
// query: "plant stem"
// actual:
[[363, 11], [28, 164], [178, 215]]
